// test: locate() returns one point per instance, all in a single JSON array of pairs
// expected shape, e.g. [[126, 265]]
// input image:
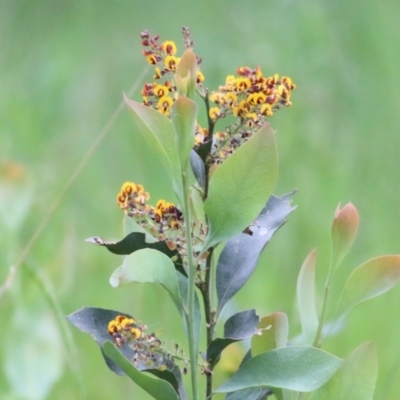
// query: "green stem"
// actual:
[[318, 336], [205, 291], [191, 288]]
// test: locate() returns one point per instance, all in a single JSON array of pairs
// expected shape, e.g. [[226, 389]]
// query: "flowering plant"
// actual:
[[210, 242]]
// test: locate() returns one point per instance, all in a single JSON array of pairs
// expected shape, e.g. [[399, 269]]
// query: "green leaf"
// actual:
[[159, 389], [274, 334], [300, 368], [148, 266], [159, 133], [355, 379], [306, 299], [186, 74], [369, 280], [240, 186], [183, 116]]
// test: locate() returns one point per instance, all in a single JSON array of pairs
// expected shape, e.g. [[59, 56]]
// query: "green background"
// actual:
[[63, 68]]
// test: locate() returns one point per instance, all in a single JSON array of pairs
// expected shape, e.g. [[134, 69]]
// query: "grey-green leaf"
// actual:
[[239, 257]]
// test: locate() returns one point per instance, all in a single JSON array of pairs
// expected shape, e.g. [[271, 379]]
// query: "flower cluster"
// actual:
[[159, 220], [124, 329], [251, 98], [160, 96], [164, 221], [147, 349]]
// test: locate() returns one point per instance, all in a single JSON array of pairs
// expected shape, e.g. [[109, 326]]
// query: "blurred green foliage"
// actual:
[[63, 68]]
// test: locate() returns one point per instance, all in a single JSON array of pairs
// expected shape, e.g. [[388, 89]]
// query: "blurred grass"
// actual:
[[63, 69]]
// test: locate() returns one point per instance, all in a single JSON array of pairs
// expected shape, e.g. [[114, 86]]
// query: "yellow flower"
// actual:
[[200, 77], [256, 98], [164, 105], [169, 47], [128, 188], [160, 90], [136, 333], [113, 327], [151, 59], [216, 97], [171, 62], [214, 113], [230, 98], [158, 73], [266, 110], [242, 84]]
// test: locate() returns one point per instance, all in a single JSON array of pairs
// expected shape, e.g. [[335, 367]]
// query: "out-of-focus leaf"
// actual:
[[33, 353], [148, 266], [274, 331], [198, 168], [369, 280], [159, 133], [16, 194], [239, 257], [240, 326], [183, 116], [344, 230], [240, 187], [306, 299], [302, 369], [355, 379], [159, 389]]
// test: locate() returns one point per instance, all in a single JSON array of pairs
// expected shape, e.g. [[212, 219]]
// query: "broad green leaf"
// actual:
[[148, 266], [159, 389], [306, 299], [369, 280], [274, 331], [186, 74], [240, 187], [159, 132], [240, 254], [240, 326], [355, 379], [183, 116], [302, 369]]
